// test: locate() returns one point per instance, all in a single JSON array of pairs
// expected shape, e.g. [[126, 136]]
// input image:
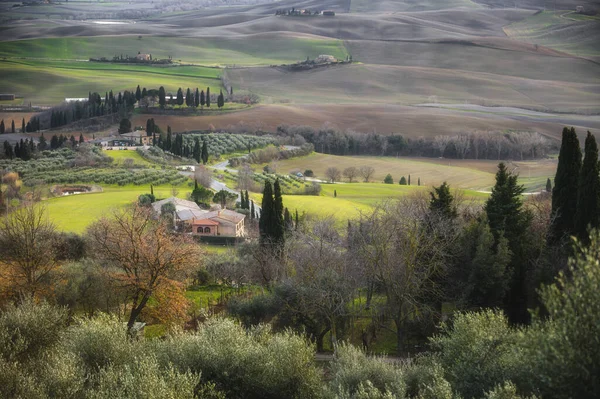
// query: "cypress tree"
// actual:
[[12, 126], [220, 100], [287, 220], [179, 97], [197, 98], [508, 219], [81, 139], [442, 202], [152, 190], [564, 193], [189, 99], [169, 142], [8, 150], [548, 185], [144, 93], [2, 126], [297, 220], [265, 223], [588, 194], [419, 181], [138, 93], [252, 210], [23, 126], [204, 154], [197, 150], [162, 97], [202, 99], [409, 180], [278, 223], [208, 97]]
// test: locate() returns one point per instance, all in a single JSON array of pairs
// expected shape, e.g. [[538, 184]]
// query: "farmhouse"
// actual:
[[189, 217], [143, 57], [137, 138]]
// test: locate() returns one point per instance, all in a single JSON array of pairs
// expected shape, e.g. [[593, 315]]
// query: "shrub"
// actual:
[[388, 179], [354, 375], [245, 364], [403, 181], [483, 339], [308, 173]]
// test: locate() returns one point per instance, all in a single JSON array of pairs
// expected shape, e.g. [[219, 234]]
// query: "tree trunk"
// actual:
[[320, 338], [370, 289], [136, 311]]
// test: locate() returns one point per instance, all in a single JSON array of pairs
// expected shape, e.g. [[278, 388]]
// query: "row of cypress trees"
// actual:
[[576, 193]]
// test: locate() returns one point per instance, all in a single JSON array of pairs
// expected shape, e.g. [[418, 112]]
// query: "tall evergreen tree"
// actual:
[[179, 97], [549, 185], [202, 99], [442, 202], [12, 126], [204, 154], [197, 150], [208, 97], [220, 100], [588, 193], [297, 220], [196, 98], [252, 210], [162, 100], [23, 125], [278, 223], [144, 93], [2, 126], [247, 200], [265, 223], [189, 99], [169, 141], [138, 93], [149, 126], [564, 193], [81, 139], [8, 151], [508, 219]]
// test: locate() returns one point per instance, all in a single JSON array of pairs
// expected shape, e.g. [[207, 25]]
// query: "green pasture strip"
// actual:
[[75, 213], [206, 51]]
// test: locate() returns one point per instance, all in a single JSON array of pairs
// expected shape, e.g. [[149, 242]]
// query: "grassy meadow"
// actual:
[[560, 30], [215, 51], [50, 84], [74, 213]]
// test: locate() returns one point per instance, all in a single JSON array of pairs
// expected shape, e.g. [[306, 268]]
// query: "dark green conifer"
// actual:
[[564, 193], [197, 150], [442, 202], [204, 154], [549, 185], [588, 193]]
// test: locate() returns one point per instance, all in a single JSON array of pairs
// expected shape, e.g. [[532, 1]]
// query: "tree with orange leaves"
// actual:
[[145, 253]]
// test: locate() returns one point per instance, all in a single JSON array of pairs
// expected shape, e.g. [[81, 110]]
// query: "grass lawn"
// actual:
[[50, 84], [263, 50], [74, 213], [469, 174], [120, 155]]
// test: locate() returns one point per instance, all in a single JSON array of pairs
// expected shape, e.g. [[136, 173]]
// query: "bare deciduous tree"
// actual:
[[441, 142], [462, 143], [203, 176], [366, 173], [144, 252], [333, 174], [350, 173], [28, 254]]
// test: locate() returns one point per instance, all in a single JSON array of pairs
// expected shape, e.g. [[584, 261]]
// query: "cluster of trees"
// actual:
[[180, 147], [192, 99], [247, 204], [351, 173], [576, 192], [403, 180], [27, 149], [4, 129], [476, 145]]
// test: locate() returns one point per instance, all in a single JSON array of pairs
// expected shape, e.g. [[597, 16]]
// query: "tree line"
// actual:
[[27, 149], [476, 145], [195, 99]]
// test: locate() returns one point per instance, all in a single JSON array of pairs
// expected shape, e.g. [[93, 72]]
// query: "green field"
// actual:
[[568, 32], [50, 84], [74, 213], [477, 175], [120, 155], [259, 50]]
